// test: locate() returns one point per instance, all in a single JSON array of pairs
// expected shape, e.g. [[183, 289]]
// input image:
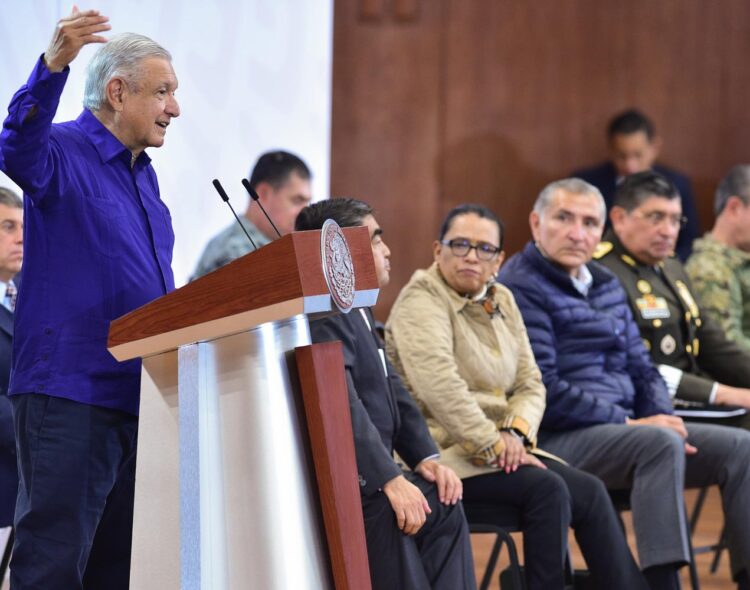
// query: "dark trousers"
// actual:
[[546, 502], [74, 512], [438, 557]]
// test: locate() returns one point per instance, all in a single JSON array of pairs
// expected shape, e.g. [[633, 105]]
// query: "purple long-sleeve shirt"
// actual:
[[97, 244]]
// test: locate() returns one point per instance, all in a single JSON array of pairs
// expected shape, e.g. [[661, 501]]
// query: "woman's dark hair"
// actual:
[[479, 211]]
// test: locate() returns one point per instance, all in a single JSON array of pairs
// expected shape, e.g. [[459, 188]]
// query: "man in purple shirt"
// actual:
[[98, 244]]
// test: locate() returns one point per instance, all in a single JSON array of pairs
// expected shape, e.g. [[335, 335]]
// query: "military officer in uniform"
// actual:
[[698, 362]]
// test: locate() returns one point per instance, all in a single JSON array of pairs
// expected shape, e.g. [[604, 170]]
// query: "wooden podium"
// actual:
[[246, 475]]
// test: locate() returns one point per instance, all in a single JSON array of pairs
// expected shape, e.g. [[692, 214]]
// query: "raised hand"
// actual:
[[72, 33]]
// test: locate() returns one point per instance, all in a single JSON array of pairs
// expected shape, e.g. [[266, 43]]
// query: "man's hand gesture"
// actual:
[[72, 33]]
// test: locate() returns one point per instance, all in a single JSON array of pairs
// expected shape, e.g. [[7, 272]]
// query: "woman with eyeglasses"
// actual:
[[458, 339]]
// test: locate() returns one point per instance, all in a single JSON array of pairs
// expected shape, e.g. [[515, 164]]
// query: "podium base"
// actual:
[[224, 425]]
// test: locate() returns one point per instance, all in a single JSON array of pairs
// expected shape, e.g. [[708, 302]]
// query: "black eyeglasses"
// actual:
[[461, 247]]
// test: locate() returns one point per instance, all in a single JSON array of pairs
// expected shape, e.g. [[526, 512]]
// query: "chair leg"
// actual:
[[719, 549], [491, 563], [699, 501], [515, 566]]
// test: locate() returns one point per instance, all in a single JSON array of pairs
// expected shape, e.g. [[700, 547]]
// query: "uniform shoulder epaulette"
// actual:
[[602, 250]]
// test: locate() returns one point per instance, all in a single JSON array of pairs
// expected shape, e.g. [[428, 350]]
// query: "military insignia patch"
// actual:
[[652, 307], [643, 286], [668, 344]]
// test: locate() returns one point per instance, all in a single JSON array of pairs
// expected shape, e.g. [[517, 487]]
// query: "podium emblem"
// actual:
[[338, 267]]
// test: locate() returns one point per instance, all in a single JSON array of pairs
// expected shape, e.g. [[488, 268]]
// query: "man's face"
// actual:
[[284, 203], [649, 231], [148, 106], [468, 274], [632, 152], [11, 241], [380, 251], [569, 229]]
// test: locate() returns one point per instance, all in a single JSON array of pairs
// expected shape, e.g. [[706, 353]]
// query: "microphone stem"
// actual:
[[242, 225]]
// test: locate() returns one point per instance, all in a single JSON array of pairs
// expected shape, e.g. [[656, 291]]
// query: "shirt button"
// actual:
[[496, 352], [44, 357], [48, 331]]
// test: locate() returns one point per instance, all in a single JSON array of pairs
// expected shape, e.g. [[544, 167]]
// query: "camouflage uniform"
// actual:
[[721, 281], [672, 325], [229, 245]]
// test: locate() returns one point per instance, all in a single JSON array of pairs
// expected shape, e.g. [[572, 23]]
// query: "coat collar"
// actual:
[[559, 276]]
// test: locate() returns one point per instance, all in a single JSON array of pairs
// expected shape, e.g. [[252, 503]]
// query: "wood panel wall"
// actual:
[[438, 102]]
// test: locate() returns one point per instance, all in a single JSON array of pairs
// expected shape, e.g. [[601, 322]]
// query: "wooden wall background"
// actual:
[[438, 102]]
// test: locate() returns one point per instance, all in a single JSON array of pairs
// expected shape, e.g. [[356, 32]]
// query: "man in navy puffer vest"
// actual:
[[608, 409]]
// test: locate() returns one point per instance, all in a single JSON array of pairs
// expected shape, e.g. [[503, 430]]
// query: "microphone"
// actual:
[[256, 198], [225, 198]]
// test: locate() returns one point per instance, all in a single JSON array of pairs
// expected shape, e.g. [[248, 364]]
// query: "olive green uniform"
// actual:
[[721, 282], [672, 325]]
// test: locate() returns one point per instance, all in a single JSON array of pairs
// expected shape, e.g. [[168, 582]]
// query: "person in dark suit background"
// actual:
[[634, 147], [11, 257], [416, 532]]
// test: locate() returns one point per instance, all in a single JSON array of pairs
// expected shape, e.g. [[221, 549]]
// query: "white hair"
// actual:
[[118, 58], [571, 185]]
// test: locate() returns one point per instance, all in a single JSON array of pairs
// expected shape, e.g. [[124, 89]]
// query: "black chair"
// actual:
[[489, 519], [621, 502], [501, 522], [720, 545]]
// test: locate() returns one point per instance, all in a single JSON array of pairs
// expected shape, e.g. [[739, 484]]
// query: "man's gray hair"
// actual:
[[571, 185], [10, 199], [735, 183], [118, 58]]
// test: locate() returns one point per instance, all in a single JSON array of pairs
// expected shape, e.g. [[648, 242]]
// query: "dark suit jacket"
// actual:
[[672, 324], [604, 177], [384, 416], [8, 469]]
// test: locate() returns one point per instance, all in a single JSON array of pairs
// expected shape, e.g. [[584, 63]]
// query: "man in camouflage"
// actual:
[[282, 181], [699, 364], [720, 265]]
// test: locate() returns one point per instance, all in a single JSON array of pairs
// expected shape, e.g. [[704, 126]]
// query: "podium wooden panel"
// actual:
[[246, 473], [325, 396]]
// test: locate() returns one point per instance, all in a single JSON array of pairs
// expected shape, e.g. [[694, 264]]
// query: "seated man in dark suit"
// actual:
[[417, 536], [11, 256], [634, 147]]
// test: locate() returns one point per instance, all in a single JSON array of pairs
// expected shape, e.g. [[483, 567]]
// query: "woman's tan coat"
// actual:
[[470, 373]]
